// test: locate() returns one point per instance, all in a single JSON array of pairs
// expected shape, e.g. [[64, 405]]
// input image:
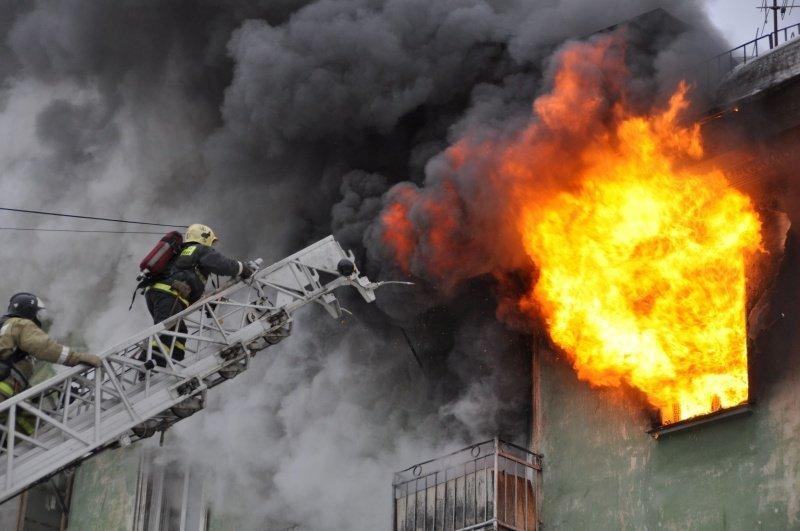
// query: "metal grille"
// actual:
[[489, 485]]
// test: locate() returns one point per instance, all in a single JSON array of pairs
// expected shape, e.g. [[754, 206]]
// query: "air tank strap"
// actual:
[[7, 365]]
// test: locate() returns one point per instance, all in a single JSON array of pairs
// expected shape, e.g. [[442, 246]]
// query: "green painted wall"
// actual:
[[602, 471], [226, 521], [104, 492]]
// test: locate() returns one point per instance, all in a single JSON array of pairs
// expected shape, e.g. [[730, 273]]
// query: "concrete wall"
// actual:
[[226, 521], [112, 490], [104, 492], [602, 471]]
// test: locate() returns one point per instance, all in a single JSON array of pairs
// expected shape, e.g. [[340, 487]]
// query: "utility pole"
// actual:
[[775, 8]]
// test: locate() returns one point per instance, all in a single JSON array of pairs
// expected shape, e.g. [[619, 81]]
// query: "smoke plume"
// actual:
[[278, 123]]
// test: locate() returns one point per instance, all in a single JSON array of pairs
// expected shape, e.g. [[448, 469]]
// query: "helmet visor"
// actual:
[[41, 309]]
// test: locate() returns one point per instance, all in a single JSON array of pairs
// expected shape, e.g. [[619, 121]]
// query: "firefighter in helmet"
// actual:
[[21, 340], [185, 282]]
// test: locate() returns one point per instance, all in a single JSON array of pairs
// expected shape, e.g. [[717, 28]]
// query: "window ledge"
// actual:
[[687, 424]]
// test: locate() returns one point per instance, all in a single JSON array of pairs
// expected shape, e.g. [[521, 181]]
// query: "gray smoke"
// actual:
[[278, 123]]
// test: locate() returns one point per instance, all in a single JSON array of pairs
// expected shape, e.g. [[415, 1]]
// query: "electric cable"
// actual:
[[82, 230], [411, 346], [766, 19], [78, 216]]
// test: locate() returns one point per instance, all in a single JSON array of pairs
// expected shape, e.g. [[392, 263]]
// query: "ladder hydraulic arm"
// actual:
[[83, 410]]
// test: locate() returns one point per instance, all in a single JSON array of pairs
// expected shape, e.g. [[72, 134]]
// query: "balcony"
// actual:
[[489, 485]]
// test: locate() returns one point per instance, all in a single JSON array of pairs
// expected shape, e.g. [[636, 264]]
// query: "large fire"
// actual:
[[642, 270], [640, 257]]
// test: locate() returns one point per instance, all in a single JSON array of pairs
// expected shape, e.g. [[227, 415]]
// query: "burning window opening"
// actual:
[[489, 485], [642, 268], [640, 252], [671, 419], [642, 273], [761, 273]]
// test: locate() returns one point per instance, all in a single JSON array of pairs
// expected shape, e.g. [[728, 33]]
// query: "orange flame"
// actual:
[[640, 257], [399, 232], [642, 269]]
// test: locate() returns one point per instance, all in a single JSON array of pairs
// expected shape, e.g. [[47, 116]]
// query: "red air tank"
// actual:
[[157, 259]]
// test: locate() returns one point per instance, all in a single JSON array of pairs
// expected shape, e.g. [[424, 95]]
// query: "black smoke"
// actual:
[[277, 123]]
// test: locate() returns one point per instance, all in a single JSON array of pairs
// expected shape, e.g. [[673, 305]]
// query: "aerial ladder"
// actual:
[[84, 410]]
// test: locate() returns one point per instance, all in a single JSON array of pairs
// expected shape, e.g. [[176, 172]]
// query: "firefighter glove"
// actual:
[[89, 359], [247, 271]]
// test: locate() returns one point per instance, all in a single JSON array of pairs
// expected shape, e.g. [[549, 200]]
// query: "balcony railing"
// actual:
[[489, 485], [712, 71]]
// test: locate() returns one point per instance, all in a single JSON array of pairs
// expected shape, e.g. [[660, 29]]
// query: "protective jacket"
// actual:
[[20, 340], [195, 263]]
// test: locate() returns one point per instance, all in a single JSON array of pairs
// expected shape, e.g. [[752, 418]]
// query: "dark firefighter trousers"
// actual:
[[25, 421], [163, 305]]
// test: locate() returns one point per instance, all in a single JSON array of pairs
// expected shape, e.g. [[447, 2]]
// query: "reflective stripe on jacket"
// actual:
[[161, 286], [6, 389], [25, 335]]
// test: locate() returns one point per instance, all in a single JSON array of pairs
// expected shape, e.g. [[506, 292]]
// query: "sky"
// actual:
[[739, 19]]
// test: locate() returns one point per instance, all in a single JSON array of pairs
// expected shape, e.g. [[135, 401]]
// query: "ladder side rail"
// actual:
[[117, 400], [30, 471], [95, 397], [163, 326], [156, 405], [108, 392]]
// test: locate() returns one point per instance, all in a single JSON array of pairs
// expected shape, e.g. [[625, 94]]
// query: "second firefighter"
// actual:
[[184, 283]]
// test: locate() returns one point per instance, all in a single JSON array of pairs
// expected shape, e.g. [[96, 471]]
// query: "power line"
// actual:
[[60, 214], [81, 230], [411, 346]]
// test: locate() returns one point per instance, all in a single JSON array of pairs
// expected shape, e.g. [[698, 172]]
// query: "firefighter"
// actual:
[[21, 339], [185, 283]]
